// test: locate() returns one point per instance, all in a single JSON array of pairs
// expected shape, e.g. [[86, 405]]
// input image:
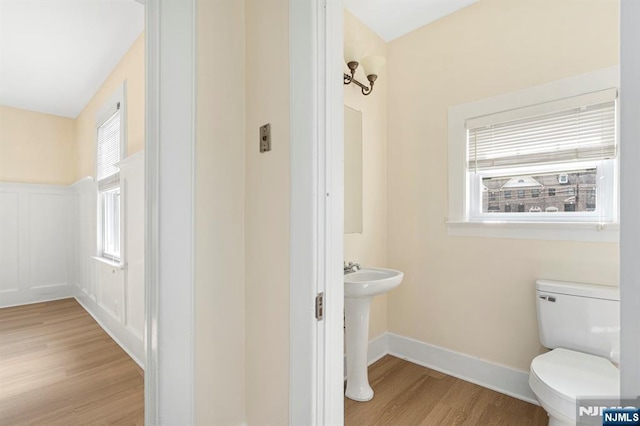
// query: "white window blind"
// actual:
[[574, 129], [108, 151]]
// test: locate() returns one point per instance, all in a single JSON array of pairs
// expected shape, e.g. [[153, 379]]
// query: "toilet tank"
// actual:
[[582, 317]]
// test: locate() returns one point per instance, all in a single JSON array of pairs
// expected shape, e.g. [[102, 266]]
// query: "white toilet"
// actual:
[[581, 324]]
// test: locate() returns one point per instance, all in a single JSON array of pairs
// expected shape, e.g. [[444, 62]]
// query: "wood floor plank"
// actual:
[[387, 389], [58, 367], [407, 394]]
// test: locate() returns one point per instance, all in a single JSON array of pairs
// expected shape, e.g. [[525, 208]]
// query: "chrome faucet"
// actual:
[[351, 267]]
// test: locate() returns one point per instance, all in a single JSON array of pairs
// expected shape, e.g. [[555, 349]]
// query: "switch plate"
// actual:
[[320, 306], [265, 138]]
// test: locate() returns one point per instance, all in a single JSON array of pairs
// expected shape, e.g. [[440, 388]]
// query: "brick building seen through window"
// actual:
[[554, 192]]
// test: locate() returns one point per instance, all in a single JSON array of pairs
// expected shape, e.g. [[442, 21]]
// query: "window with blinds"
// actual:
[[558, 157], [108, 154], [108, 151], [571, 130]]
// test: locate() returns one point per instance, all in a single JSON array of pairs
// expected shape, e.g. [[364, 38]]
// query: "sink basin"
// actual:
[[359, 289], [369, 282]]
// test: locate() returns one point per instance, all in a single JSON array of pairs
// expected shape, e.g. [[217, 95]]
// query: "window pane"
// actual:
[[562, 191], [111, 223]]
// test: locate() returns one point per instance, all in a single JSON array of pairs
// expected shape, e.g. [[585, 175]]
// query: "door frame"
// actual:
[[629, 198], [316, 366], [169, 207], [317, 212]]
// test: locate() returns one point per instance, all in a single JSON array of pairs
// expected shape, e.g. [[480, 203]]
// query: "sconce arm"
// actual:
[[365, 89]]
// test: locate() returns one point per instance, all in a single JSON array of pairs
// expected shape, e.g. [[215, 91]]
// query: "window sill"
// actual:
[[569, 231], [110, 262]]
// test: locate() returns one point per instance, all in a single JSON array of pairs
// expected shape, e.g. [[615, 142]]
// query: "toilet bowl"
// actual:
[[560, 377], [580, 323]]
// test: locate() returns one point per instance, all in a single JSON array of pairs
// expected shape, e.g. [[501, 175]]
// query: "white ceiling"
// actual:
[[391, 19], [55, 54]]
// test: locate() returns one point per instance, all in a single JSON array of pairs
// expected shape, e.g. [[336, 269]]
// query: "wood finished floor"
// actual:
[[407, 394], [58, 367]]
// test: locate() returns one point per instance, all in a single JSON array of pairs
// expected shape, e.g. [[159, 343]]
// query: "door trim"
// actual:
[[317, 216], [169, 197], [629, 198]]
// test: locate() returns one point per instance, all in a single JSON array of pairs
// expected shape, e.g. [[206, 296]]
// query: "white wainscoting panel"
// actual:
[[85, 276], [9, 243], [36, 244], [114, 295], [111, 290], [132, 175], [48, 239]]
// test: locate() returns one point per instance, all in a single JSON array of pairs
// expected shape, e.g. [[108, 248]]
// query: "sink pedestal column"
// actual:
[[357, 325]]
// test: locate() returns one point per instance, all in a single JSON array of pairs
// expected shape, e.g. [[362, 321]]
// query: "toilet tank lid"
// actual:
[[579, 289]]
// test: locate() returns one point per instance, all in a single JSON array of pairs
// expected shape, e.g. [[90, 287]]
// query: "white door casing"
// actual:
[[317, 216], [629, 198], [169, 235]]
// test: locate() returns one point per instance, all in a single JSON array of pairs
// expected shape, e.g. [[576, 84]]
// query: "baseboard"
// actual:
[[506, 380], [59, 292], [377, 349], [133, 346]]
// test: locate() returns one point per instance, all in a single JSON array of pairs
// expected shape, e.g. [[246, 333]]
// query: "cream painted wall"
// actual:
[[370, 247], [131, 69], [36, 147], [219, 250], [267, 213], [476, 295]]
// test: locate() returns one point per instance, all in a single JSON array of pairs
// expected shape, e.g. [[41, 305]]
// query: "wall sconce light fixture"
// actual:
[[371, 65]]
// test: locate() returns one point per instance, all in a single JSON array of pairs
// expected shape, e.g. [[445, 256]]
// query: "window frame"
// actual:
[[460, 221], [104, 114]]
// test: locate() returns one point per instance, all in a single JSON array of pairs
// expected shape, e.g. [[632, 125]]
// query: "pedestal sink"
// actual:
[[359, 289]]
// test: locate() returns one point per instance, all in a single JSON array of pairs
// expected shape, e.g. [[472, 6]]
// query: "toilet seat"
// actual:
[[559, 377]]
